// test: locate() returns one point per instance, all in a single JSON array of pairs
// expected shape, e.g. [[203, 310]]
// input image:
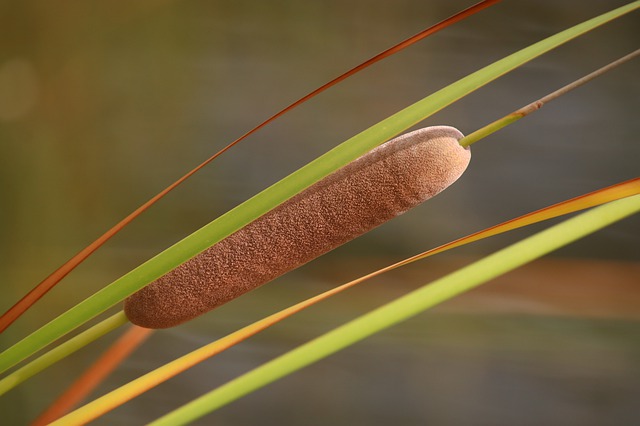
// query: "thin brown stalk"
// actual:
[[536, 105]]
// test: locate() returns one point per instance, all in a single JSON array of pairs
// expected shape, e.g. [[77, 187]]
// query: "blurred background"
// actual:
[[103, 104]]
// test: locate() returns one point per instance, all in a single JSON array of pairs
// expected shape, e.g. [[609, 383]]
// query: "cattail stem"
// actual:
[[534, 106]]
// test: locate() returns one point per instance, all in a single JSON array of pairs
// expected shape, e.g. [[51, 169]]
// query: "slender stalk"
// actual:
[[534, 106], [56, 354]]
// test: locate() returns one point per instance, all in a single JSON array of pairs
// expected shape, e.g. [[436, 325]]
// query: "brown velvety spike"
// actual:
[[380, 185]]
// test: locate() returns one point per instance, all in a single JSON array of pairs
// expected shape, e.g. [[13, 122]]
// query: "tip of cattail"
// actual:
[[435, 156]]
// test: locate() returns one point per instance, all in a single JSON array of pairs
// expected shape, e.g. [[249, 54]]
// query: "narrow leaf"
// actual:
[[61, 351]]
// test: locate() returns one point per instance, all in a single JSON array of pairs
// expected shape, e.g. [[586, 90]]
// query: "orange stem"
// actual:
[[91, 378]]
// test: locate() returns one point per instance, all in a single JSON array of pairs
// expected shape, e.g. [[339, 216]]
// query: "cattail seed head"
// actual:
[[380, 185]]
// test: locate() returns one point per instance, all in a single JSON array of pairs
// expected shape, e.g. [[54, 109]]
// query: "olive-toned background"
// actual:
[[104, 103]]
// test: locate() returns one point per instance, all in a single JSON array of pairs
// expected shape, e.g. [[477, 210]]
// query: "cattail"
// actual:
[[380, 185]]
